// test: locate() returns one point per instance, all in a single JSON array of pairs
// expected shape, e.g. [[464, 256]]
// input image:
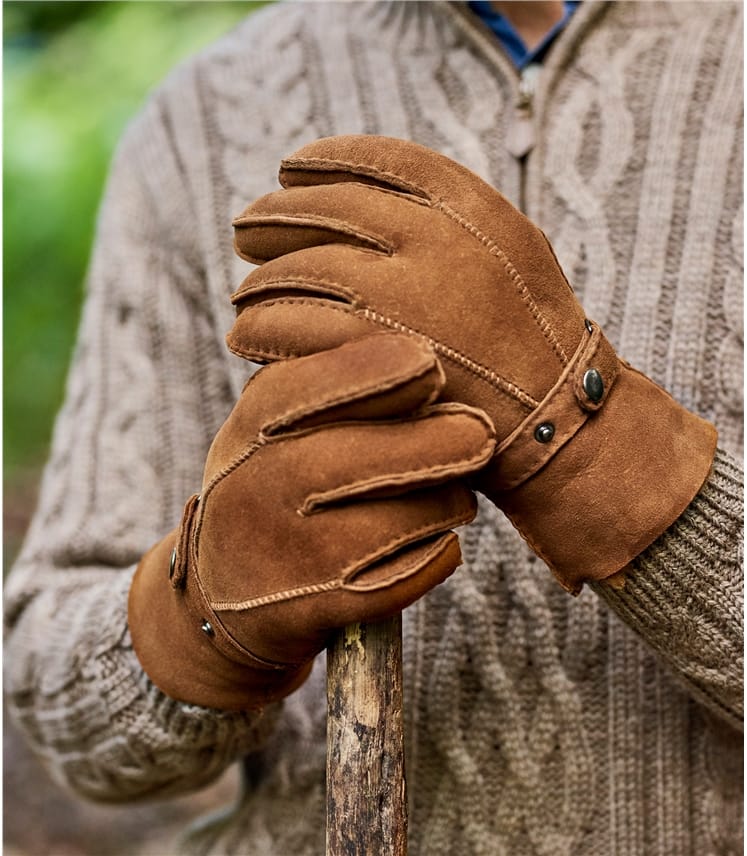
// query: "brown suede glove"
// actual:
[[328, 498], [594, 460]]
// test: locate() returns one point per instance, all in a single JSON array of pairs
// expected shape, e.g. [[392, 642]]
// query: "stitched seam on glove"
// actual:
[[218, 477], [275, 597], [326, 165], [223, 640], [495, 380], [333, 288], [324, 223], [526, 296], [228, 469], [407, 539], [507, 387]]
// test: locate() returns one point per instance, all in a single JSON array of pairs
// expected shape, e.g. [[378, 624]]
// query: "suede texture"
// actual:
[[329, 496], [594, 461]]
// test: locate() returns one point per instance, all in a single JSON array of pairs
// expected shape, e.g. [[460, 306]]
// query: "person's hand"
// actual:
[[594, 460], [329, 496]]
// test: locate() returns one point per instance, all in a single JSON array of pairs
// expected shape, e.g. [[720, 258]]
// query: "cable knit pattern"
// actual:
[[537, 724]]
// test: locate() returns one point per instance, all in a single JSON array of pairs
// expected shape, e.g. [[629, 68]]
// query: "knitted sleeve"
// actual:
[[684, 594], [146, 392]]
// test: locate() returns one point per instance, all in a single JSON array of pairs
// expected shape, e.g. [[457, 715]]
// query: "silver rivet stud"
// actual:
[[589, 326], [172, 563], [207, 628], [544, 432], [593, 385]]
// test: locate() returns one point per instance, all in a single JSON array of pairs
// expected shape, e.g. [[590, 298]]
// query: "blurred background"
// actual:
[[74, 74]]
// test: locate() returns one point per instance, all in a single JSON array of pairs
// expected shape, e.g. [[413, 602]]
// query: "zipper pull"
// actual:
[[521, 138]]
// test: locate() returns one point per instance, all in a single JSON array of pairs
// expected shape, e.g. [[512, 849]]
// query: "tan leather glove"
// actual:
[[328, 498], [594, 460]]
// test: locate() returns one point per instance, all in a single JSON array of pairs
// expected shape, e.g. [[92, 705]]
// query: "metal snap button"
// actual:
[[589, 326], [593, 385], [172, 563], [207, 628], [544, 432]]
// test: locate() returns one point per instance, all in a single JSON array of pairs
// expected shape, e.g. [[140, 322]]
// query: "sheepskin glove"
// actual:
[[594, 460], [328, 498]]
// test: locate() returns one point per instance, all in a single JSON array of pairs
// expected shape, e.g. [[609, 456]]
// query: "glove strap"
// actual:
[[581, 390]]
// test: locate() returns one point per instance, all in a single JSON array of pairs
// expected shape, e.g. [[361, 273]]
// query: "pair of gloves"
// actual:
[[423, 343]]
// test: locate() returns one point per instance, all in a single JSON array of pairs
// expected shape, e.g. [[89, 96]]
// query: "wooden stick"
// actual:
[[366, 792]]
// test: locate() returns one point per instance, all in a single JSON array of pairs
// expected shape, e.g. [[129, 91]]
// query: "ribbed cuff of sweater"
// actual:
[[684, 593], [131, 740]]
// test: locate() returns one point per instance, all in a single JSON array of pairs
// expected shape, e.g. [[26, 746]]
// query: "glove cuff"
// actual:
[[626, 472], [181, 644]]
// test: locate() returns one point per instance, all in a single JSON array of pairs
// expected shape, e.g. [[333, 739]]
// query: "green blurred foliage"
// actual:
[[74, 73]]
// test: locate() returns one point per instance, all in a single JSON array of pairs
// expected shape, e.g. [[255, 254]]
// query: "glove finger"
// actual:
[[330, 271], [342, 497], [338, 544], [387, 587], [351, 461], [291, 327], [438, 181], [323, 296], [403, 166], [302, 303], [335, 282], [381, 376], [378, 459], [367, 547], [290, 220], [380, 591], [469, 268], [294, 327], [386, 162]]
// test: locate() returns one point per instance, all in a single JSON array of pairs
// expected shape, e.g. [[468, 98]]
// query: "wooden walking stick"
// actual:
[[366, 794]]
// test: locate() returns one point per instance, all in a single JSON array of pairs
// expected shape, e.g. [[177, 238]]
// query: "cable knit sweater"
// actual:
[[537, 723]]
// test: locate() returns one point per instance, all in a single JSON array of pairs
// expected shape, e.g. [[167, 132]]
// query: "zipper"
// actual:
[[521, 137], [521, 134]]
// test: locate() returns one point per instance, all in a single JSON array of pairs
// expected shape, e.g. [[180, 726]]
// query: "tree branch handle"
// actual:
[[366, 791]]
